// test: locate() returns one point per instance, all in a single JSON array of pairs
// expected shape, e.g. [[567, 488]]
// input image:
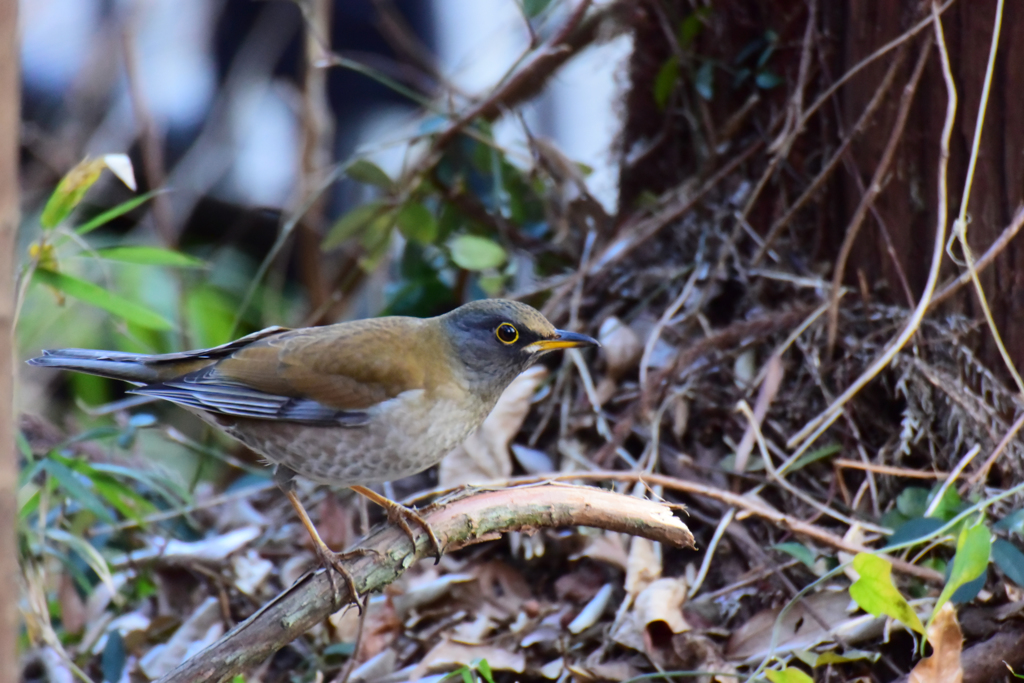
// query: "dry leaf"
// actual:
[[662, 601], [620, 346], [200, 629], [607, 548], [251, 571], [798, 629], [593, 610], [448, 655], [484, 455], [943, 665], [643, 565], [697, 652]]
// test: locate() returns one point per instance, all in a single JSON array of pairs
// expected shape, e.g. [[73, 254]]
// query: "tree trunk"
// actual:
[[680, 139]]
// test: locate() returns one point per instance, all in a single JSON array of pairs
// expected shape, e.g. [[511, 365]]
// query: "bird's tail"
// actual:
[[144, 368], [130, 367]]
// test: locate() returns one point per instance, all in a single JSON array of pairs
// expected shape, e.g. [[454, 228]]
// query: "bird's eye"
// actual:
[[507, 333]]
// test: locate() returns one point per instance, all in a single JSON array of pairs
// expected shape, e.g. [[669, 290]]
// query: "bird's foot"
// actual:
[[401, 515], [334, 562]]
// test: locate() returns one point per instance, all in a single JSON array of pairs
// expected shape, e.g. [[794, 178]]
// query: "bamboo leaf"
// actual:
[[101, 298], [115, 212], [150, 256], [73, 186]]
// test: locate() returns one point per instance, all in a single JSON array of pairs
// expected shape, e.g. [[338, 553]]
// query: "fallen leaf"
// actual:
[[643, 565], [662, 601], [620, 346], [943, 665], [448, 655], [607, 548], [593, 610], [251, 571], [201, 628], [697, 652], [797, 629], [484, 455]]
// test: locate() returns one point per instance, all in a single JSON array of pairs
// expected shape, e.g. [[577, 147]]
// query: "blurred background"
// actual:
[[245, 123]]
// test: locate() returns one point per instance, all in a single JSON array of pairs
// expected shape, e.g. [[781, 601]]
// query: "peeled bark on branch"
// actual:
[[480, 517]]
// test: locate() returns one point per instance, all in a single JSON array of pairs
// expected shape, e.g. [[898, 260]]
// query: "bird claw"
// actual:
[[332, 561], [400, 515]]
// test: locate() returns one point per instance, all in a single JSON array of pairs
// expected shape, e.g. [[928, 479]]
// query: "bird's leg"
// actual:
[[328, 557], [400, 515]]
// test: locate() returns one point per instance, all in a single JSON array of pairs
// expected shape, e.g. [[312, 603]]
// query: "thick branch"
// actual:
[[480, 517]]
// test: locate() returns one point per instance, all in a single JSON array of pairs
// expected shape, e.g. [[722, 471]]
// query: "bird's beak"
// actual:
[[563, 339]]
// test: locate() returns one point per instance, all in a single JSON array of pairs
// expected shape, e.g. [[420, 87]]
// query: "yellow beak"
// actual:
[[563, 340]]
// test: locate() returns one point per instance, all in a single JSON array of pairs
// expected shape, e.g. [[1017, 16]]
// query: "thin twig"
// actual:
[[996, 248], [837, 156], [960, 225]]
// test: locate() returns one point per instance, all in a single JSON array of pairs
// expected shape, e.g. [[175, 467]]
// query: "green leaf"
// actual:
[[1010, 560], [973, 548], [376, 239], [119, 210], [913, 501], [149, 256], [797, 551], [665, 82], [101, 298], [788, 675], [467, 675], [417, 223], [339, 650], [914, 529], [691, 26], [352, 223], [73, 186], [704, 80], [531, 8], [1012, 522], [815, 659], [876, 594], [76, 490], [485, 670], [367, 172], [766, 80], [476, 253], [88, 553], [211, 316], [815, 455], [949, 506]]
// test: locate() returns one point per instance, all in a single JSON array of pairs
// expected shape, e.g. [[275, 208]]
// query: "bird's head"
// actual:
[[495, 339]]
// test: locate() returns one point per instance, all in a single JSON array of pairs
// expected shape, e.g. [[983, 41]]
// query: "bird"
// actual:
[[350, 404]]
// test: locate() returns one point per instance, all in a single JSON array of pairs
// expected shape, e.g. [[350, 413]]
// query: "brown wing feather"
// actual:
[[350, 366]]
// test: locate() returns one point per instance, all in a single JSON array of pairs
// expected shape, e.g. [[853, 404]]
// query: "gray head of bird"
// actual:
[[496, 339]]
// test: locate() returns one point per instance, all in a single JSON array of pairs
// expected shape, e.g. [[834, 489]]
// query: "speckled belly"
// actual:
[[389, 447]]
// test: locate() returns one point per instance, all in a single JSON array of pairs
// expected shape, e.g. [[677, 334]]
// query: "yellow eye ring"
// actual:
[[507, 333]]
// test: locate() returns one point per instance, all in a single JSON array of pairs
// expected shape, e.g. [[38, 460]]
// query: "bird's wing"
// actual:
[[325, 376]]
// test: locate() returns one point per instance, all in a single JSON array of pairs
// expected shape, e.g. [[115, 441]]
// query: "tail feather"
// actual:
[[143, 368], [130, 367]]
